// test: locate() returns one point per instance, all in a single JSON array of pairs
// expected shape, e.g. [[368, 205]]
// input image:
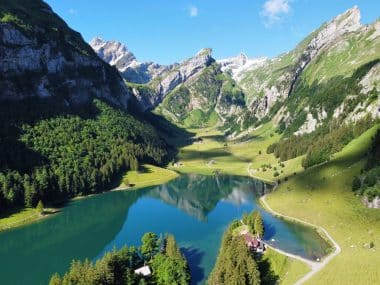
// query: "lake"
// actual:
[[195, 208]]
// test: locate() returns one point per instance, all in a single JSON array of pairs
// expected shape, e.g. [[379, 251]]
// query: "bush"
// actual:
[[276, 174], [356, 184], [370, 180]]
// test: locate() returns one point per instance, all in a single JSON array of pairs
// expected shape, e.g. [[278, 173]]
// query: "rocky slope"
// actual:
[[118, 55], [42, 57], [195, 92], [299, 90], [239, 65], [150, 82]]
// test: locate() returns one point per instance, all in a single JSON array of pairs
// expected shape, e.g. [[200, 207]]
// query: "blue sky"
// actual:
[[167, 31]]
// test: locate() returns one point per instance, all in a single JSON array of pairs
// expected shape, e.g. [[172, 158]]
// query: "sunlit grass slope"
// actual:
[[148, 175], [322, 195]]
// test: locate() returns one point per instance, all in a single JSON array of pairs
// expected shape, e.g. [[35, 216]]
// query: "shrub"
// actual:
[[356, 184]]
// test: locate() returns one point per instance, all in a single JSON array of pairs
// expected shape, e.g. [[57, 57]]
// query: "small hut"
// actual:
[[144, 271]]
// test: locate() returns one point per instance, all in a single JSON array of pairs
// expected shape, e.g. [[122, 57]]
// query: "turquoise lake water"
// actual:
[[195, 208]]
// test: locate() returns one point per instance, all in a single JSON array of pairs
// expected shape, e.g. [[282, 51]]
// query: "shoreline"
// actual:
[[51, 211], [315, 266], [33, 218]]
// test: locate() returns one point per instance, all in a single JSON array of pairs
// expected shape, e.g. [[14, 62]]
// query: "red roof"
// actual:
[[251, 241]]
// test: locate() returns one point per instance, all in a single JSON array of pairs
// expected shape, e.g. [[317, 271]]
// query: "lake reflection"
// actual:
[[195, 208]]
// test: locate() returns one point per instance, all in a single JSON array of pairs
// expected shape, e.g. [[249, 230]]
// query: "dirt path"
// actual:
[[315, 266], [312, 264]]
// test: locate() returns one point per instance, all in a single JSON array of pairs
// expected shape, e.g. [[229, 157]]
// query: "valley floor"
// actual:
[[321, 196]]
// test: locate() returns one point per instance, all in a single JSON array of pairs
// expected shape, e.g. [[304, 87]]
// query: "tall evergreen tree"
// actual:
[[149, 245], [259, 225]]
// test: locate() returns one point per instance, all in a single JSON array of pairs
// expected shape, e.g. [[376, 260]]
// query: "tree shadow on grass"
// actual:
[[268, 276], [194, 257], [217, 138], [314, 177], [144, 169], [194, 154]]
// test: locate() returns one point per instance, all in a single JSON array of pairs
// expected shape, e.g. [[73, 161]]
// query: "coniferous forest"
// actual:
[[319, 146], [58, 153], [235, 263], [163, 257]]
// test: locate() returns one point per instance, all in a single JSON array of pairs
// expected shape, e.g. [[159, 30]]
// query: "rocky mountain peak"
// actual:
[[118, 55], [243, 57], [349, 20], [113, 52], [203, 57], [238, 65], [205, 52], [346, 22]]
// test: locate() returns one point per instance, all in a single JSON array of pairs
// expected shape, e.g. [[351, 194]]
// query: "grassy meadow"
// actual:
[[237, 157], [23, 216], [147, 175], [320, 195], [287, 270]]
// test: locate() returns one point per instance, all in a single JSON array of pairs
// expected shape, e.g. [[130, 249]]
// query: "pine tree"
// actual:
[[55, 280], [40, 207], [259, 225], [149, 245]]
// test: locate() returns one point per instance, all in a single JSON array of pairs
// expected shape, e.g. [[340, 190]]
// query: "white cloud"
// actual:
[[193, 11], [274, 11], [73, 11]]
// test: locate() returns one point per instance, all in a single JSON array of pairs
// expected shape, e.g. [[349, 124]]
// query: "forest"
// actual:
[[368, 182], [321, 144], [164, 258], [235, 263], [52, 152]]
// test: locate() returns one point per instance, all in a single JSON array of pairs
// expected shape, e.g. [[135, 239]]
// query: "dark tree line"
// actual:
[[255, 221], [321, 144], [60, 156], [368, 183], [164, 258]]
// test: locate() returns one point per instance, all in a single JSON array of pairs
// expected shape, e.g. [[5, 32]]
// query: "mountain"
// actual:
[[42, 57], [236, 94], [65, 129], [193, 93], [239, 65], [303, 88], [118, 55], [150, 82], [299, 91]]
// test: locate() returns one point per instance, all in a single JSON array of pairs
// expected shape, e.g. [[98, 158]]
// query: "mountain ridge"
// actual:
[[267, 83]]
